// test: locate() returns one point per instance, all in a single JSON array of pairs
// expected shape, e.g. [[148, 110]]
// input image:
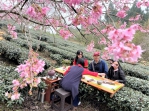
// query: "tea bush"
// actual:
[[126, 99], [138, 84], [135, 71]]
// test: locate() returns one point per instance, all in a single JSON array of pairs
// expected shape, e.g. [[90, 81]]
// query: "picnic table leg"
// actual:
[[111, 95]]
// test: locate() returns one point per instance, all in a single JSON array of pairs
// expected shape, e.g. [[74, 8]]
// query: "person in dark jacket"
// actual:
[[72, 78], [116, 73], [98, 65], [79, 54]]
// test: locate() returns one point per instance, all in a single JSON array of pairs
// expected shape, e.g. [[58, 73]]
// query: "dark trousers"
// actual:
[[76, 101]]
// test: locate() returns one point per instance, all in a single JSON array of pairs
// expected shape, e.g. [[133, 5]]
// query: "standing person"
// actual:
[[116, 73], [98, 65], [79, 54], [72, 78]]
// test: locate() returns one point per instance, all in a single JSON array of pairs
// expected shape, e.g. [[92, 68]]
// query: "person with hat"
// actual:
[[98, 65], [79, 54], [72, 77]]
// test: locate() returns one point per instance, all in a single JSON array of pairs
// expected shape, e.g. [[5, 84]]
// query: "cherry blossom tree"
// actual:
[[62, 15]]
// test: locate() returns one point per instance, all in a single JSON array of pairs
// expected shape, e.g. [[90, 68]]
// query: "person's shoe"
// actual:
[[79, 103]]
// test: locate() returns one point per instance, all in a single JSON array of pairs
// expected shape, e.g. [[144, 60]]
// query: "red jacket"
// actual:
[[85, 71], [85, 63]]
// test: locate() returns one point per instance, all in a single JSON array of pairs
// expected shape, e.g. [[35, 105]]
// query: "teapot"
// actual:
[[51, 73]]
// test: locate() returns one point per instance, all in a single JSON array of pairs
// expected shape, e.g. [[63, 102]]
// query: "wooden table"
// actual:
[[52, 85], [112, 89]]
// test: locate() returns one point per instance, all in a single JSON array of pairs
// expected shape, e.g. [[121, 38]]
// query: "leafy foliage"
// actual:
[[7, 75], [138, 71], [12, 51], [125, 99], [138, 84]]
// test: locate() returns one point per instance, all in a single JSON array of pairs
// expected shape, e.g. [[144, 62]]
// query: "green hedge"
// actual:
[[65, 54], [6, 76], [56, 57], [24, 43], [14, 52], [126, 99], [134, 71], [63, 45], [138, 84]]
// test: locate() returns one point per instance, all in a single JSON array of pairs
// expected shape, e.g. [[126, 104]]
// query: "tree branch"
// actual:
[[16, 13]]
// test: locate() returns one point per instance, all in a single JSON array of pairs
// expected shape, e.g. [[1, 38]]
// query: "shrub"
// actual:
[[56, 57], [136, 71], [138, 84], [7, 75], [13, 52], [126, 99]]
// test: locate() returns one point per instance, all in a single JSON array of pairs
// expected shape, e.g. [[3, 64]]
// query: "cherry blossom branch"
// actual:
[[12, 9], [109, 15], [16, 13]]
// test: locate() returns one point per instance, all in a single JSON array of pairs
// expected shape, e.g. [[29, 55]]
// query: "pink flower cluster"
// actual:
[[65, 34], [121, 14], [136, 18], [121, 46], [142, 3], [91, 18], [37, 12], [75, 2], [102, 41], [11, 31], [90, 46], [28, 73], [54, 22]]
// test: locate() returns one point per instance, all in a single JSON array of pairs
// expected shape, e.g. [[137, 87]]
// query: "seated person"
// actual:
[[72, 77], [116, 73], [98, 65], [110, 61], [79, 54]]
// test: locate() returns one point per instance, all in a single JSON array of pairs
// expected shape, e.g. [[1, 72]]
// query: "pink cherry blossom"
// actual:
[[87, 1], [121, 14], [138, 4], [14, 35], [15, 96], [102, 41], [65, 34], [147, 3], [36, 81], [90, 46], [20, 68], [15, 82], [105, 55], [75, 2], [10, 28], [137, 17], [31, 11], [72, 2], [103, 31], [44, 10], [123, 25], [96, 12], [11, 31]]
